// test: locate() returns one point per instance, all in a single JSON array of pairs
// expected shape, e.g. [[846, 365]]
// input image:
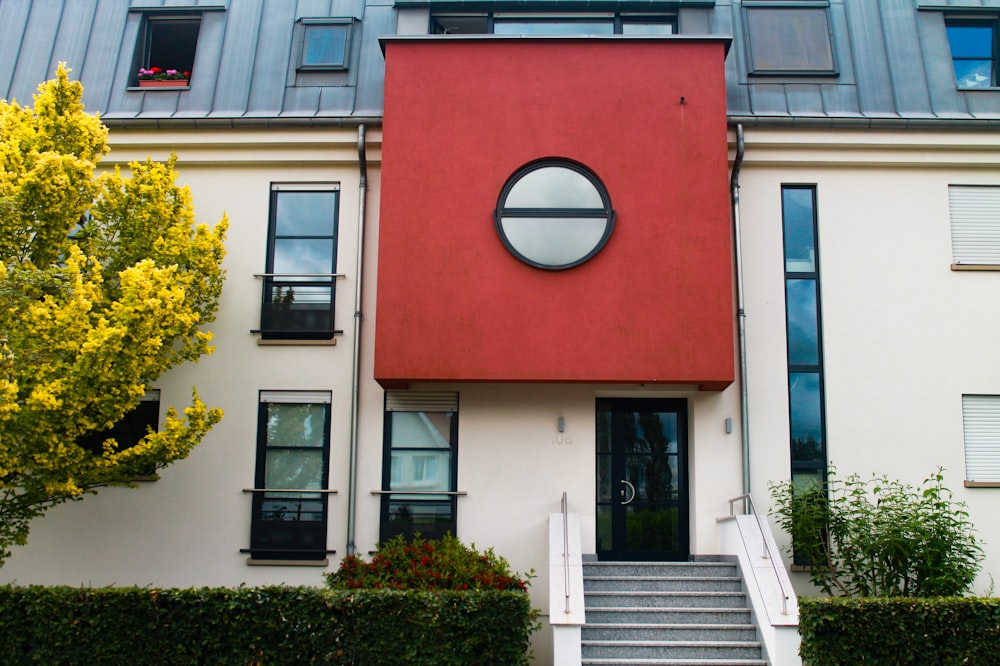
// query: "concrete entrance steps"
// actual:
[[667, 614]]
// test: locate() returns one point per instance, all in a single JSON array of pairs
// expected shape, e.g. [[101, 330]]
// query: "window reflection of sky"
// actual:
[[305, 213], [970, 41], [553, 187], [507, 27], [803, 335], [297, 255], [804, 403], [554, 241], [797, 206], [972, 49], [973, 73], [324, 45]]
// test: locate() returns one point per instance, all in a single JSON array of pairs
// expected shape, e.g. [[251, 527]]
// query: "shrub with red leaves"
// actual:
[[422, 564]]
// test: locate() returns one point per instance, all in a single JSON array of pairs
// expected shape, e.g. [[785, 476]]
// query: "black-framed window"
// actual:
[[532, 23], [420, 465], [325, 43], [789, 38], [806, 405], [299, 290], [973, 44], [554, 214], [293, 458], [129, 431], [168, 41]]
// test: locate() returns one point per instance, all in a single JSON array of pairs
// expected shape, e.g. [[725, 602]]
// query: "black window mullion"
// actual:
[[296, 319], [288, 531], [389, 497], [802, 371]]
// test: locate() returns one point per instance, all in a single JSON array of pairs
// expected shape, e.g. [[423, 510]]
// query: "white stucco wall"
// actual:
[[904, 336]]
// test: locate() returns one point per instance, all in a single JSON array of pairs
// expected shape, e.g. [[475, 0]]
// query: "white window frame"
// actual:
[[981, 434], [975, 226]]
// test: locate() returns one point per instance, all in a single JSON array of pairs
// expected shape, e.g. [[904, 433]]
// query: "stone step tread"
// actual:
[[665, 593], [674, 609], [667, 644], [602, 661], [661, 563], [649, 625], [727, 579]]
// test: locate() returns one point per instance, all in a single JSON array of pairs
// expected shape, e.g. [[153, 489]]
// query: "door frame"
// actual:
[[616, 455]]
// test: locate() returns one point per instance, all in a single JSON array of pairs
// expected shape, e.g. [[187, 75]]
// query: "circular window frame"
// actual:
[[606, 212]]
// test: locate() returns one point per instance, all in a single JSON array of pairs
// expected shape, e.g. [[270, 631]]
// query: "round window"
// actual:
[[554, 214]]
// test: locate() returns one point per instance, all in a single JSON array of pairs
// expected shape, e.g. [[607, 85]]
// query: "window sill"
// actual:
[[982, 484], [262, 342], [303, 69], [155, 88], [975, 267], [288, 563]]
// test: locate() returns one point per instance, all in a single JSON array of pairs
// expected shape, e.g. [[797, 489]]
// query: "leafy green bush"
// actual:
[[903, 632], [273, 626], [442, 628], [231, 627], [880, 537], [421, 564]]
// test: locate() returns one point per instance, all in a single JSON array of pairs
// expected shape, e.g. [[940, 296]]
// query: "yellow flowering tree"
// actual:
[[105, 283]]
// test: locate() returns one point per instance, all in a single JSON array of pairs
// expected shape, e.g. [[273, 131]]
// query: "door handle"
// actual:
[[630, 487]]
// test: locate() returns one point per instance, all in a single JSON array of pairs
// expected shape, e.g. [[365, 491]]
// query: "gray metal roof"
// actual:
[[893, 63]]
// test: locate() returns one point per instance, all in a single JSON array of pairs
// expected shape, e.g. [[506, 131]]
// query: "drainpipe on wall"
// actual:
[[734, 186], [352, 482]]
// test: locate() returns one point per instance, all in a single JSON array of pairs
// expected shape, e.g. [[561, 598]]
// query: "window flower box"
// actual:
[[155, 77], [163, 83]]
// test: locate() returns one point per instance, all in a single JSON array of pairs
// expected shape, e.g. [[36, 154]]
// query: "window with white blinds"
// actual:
[[975, 224], [981, 424]]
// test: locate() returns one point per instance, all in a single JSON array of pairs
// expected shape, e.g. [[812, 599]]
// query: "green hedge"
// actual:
[[940, 631], [267, 626]]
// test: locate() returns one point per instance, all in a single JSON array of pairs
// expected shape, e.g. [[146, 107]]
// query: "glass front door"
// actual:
[[642, 497]]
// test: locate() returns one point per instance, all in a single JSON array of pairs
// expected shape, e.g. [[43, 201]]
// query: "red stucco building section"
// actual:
[[648, 117]]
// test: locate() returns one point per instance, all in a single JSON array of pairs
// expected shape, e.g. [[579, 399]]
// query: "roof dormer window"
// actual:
[[168, 42], [325, 43], [789, 38]]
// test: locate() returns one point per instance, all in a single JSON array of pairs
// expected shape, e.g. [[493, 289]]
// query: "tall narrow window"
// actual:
[[290, 492], [973, 52], [805, 349], [298, 294], [419, 471]]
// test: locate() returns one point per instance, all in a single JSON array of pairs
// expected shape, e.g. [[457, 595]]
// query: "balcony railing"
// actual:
[[298, 306], [288, 523]]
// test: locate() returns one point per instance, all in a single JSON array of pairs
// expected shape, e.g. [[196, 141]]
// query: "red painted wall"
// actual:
[[648, 117]]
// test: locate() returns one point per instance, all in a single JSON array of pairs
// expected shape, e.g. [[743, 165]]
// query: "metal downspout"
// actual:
[[352, 483], [734, 186]]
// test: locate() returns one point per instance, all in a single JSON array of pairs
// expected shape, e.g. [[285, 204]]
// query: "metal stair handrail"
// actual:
[[748, 503], [564, 507]]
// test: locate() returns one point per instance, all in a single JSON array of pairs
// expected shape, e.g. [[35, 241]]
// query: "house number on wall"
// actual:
[[561, 439]]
